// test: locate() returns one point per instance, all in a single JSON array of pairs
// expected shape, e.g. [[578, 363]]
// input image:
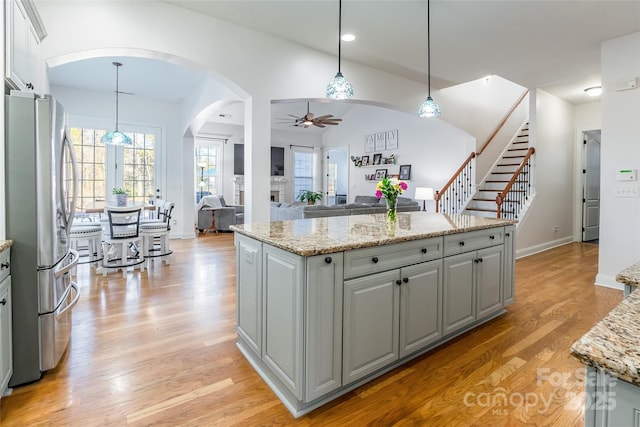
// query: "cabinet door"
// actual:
[[283, 291], [420, 306], [249, 292], [370, 324], [6, 363], [489, 277], [18, 62], [323, 330], [459, 294], [509, 265]]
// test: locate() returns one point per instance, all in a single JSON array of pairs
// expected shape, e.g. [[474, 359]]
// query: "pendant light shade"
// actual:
[[339, 87], [116, 137], [429, 108]]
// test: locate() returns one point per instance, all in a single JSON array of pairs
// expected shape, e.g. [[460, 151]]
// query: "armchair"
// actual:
[[214, 214]]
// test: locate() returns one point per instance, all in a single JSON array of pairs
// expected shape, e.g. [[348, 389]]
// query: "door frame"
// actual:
[[325, 169]]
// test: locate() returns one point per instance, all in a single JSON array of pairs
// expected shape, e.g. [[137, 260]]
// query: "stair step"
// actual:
[[517, 149], [521, 142], [509, 164], [513, 157], [502, 173], [495, 180]]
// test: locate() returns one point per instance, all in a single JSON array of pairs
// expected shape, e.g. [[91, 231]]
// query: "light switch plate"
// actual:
[[625, 191]]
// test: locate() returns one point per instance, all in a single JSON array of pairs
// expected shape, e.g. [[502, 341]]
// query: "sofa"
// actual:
[[361, 205], [223, 214]]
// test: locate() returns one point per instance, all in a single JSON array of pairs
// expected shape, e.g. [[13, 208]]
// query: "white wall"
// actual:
[[255, 66], [553, 204], [619, 217], [478, 107], [433, 148]]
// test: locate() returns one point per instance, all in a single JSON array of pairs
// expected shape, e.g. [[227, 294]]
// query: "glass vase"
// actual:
[[392, 205]]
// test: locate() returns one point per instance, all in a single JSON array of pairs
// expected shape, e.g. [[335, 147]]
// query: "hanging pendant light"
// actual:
[[429, 108], [339, 87], [116, 137]]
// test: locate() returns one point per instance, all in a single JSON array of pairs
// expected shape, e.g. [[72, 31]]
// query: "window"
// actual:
[[302, 171], [206, 169], [98, 166]]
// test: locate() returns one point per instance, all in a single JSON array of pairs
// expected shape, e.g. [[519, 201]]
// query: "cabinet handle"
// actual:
[[507, 234], [398, 282], [405, 280], [492, 237], [479, 259], [476, 260], [4, 301], [328, 260], [29, 86], [4, 265], [374, 259], [424, 250], [461, 243]]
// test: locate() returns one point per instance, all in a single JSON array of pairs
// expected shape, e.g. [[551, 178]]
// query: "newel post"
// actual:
[[499, 203], [436, 197]]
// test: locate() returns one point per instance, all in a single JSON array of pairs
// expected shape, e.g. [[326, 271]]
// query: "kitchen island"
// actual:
[[325, 305], [611, 354]]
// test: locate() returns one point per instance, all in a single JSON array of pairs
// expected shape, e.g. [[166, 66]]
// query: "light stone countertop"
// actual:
[[5, 244], [630, 275], [315, 236], [612, 344]]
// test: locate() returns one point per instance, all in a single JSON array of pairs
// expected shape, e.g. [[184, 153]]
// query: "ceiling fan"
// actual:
[[308, 120]]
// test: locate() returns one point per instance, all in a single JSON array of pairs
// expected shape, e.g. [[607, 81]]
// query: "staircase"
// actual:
[[484, 203]]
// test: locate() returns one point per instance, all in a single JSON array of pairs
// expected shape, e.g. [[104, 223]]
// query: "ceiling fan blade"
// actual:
[[294, 116], [320, 125], [327, 116], [330, 123]]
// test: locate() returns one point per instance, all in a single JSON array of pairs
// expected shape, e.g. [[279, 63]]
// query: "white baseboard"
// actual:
[[524, 252], [608, 282]]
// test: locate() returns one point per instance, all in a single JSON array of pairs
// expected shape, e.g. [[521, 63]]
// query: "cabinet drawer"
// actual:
[[473, 240], [360, 262], [5, 268]]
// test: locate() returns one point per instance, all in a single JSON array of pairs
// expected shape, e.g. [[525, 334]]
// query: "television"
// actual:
[[277, 160]]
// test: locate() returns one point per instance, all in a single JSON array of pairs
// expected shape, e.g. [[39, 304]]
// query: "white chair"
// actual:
[[92, 234], [122, 244], [155, 234]]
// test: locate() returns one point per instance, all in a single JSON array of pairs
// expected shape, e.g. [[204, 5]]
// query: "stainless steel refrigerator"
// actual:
[[41, 182]]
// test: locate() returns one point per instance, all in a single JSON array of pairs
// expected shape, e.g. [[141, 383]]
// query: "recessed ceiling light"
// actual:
[[594, 91], [348, 37]]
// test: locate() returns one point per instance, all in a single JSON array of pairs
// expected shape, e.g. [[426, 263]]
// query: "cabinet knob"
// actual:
[[476, 260], [479, 259], [4, 265], [492, 237], [461, 243], [398, 282], [507, 234], [4, 301], [374, 260], [405, 280], [328, 260], [29, 86], [423, 250]]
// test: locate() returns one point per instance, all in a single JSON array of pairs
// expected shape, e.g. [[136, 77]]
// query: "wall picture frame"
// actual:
[[392, 139], [364, 161], [377, 158], [369, 143], [380, 140], [405, 172], [381, 173]]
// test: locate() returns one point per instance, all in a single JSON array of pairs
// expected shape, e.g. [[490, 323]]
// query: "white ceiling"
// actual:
[[553, 45]]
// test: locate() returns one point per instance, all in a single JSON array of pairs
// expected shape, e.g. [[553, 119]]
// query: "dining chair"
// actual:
[[122, 243], [156, 234]]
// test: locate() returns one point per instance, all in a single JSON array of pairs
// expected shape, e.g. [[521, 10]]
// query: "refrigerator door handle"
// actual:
[[73, 302], [59, 272], [69, 215]]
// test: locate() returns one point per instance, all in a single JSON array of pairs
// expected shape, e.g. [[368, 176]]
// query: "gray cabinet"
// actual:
[[323, 325], [283, 296], [609, 401], [6, 352], [509, 265], [473, 280], [390, 315], [249, 292], [370, 324]]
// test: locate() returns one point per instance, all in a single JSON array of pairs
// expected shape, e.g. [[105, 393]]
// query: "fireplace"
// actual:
[[276, 193]]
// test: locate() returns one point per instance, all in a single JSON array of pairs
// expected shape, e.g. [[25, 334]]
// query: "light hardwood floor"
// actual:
[[159, 349]]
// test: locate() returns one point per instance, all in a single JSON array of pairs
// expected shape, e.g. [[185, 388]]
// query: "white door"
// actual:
[[591, 186], [336, 176]]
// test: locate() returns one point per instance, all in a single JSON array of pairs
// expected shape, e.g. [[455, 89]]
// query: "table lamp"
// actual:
[[424, 194]]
